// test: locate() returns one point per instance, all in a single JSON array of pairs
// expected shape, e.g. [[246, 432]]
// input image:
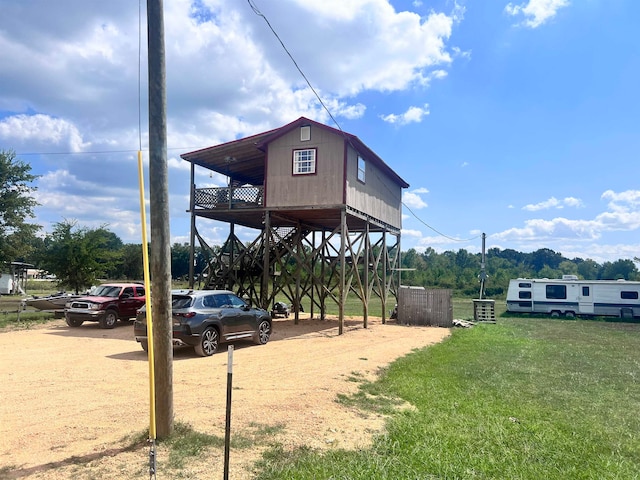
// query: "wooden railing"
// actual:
[[229, 197]]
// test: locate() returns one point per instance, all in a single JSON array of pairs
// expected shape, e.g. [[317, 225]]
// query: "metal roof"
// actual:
[[244, 159]]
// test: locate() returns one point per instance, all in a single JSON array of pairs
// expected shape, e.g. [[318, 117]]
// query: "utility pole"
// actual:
[[160, 250], [483, 273]]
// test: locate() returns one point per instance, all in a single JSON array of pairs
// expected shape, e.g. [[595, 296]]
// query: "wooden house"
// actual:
[[314, 193]]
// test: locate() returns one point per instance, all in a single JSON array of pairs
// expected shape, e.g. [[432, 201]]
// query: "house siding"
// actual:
[[335, 181], [377, 197], [324, 188]]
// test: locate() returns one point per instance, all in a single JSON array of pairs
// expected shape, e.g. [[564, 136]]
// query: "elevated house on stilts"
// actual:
[[327, 215]]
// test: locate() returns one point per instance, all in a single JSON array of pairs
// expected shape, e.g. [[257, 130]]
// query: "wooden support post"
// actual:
[[343, 271], [365, 272], [385, 264], [192, 236], [266, 249]]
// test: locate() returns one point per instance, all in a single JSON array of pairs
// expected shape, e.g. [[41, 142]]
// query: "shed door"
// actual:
[[585, 299]]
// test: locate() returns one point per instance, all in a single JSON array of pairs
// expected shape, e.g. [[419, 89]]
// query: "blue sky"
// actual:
[[518, 119]]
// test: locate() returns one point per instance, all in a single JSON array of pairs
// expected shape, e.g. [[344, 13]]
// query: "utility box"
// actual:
[[484, 310]]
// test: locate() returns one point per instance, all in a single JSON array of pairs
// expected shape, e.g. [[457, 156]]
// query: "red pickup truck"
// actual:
[[106, 304]]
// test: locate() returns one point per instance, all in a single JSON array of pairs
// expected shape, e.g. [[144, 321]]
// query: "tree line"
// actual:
[[459, 270], [79, 256]]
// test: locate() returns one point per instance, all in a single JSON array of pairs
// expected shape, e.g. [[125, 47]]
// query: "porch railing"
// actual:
[[229, 197]]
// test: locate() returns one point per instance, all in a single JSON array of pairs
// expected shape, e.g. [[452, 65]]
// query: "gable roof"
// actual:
[[244, 158]]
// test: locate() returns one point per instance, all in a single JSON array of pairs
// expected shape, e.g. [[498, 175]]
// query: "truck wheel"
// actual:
[[109, 320], [208, 344], [73, 322]]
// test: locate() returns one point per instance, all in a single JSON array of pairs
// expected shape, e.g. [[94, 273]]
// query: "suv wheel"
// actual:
[[208, 344], [264, 330], [109, 320]]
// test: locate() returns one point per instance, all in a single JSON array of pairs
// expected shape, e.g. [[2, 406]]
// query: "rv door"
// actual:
[[585, 300]]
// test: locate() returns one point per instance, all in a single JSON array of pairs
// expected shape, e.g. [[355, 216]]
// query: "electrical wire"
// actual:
[[438, 232], [257, 11]]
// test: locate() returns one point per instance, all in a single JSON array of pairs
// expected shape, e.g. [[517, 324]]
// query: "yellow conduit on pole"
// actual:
[[147, 289]]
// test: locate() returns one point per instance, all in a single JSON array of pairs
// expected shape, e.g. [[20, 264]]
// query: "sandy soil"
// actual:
[[71, 398]]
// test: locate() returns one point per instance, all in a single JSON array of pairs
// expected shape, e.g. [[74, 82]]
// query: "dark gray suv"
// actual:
[[205, 318]]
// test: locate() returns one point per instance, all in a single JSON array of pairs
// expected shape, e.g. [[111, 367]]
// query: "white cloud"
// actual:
[[623, 201], [42, 132], [413, 199], [411, 233], [553, 202], [550, 203], [536, 12], [412, 115], [623, 215], [573, 202]]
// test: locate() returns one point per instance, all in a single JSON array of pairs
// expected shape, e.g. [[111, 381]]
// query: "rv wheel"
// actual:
[[555, 314], [569, 314]]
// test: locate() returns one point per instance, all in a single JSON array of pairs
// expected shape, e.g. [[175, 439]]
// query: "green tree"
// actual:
[[620, 269], [16, 206], [180, 254], [567, 267], [78, 257], [131, 262], [588, 269], [545, 257]]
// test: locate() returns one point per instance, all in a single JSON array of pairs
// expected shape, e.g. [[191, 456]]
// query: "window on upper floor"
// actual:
[[305, 133], [304, 161], [362, 167]]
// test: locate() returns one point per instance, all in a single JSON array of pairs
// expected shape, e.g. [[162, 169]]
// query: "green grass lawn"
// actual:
[[520, 399]]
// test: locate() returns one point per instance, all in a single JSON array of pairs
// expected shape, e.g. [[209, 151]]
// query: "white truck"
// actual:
[[570, 296]]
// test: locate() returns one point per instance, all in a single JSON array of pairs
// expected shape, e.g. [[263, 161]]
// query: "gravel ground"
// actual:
[[71, 398]]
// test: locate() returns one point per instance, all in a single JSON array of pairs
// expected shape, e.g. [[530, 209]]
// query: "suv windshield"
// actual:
[[105, 291]]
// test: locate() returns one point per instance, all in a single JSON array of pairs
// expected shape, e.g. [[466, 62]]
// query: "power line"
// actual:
[[438, 232], [100, 152], [257, 11]]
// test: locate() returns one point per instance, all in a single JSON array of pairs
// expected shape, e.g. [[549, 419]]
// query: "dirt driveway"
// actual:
[[70, 397]]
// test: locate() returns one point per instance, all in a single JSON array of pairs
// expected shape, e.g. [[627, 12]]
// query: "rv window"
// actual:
[[558, 292], [629, 295], [524, 294], [585, 291], [524, 285]]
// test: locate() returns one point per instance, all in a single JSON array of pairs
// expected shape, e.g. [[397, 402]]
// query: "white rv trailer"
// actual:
[[570, 297]]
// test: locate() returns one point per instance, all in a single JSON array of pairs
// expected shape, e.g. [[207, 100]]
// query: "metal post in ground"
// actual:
[[227, 427]]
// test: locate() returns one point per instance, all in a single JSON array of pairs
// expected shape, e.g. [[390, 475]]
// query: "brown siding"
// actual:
[[324, 188], [378, 196]]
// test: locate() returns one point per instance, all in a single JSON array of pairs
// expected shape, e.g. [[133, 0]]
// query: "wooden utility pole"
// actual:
[[160, 250]]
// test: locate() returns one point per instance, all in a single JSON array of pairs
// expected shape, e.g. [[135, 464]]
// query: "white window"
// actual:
[[362, 167], [304, 161]]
